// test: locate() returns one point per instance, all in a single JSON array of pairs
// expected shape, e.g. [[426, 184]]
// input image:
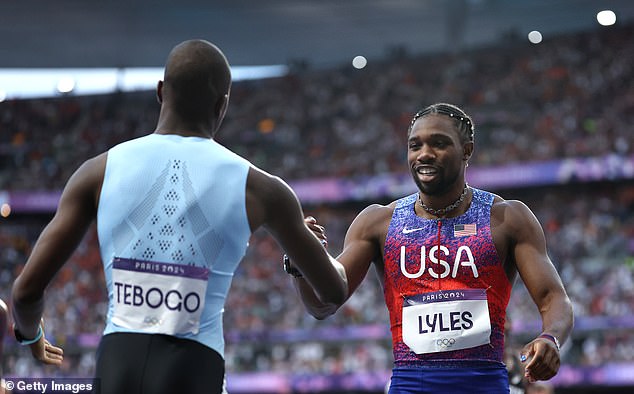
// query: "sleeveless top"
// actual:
[[172, 227], [441, 276]]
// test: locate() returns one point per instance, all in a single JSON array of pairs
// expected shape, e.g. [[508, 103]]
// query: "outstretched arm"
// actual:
[[545, 287], [272, 204], [359, 251], [76, 211]]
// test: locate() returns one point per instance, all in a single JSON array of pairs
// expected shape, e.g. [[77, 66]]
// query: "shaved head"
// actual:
[[197, 75]]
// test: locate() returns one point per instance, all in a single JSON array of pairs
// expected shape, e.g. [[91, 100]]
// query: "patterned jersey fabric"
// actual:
[[429, 259]]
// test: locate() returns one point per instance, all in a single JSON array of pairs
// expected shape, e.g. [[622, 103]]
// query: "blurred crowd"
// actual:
[[591, 242], [567, 97], [563, 98]]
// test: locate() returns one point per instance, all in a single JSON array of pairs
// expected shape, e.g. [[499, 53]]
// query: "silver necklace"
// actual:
[[448, 208]]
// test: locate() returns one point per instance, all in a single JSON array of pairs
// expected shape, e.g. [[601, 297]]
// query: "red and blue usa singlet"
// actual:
[[445, 287]]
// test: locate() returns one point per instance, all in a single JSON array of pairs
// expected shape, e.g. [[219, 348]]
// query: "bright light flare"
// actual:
[[359, 62], [535, 37], [606, 18]]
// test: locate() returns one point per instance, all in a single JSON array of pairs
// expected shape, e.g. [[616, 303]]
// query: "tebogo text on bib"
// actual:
[[158, 298]]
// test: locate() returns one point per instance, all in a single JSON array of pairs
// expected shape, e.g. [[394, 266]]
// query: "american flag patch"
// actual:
[[464, 230]]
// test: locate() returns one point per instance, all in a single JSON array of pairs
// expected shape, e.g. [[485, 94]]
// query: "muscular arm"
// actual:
[[528, 251], [273, 205], [361, 247], [76, 211]]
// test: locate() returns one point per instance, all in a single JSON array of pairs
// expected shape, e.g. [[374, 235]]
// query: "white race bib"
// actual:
[[158, 298], [446, 320]]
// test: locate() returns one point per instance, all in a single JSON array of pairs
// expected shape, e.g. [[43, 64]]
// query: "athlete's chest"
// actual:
[[460, 248]]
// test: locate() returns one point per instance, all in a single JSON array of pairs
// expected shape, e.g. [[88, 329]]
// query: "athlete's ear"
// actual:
[[467, 150], [221, 106], [159, 92], [220, 110]]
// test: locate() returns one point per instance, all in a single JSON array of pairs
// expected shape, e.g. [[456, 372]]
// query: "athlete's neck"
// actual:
[[170, 122], [449, 209], [183, 133]]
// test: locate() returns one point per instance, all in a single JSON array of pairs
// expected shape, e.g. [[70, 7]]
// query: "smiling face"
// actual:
[[436, 154]]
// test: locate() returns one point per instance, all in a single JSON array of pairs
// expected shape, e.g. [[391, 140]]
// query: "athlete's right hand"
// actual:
[[317, 229]]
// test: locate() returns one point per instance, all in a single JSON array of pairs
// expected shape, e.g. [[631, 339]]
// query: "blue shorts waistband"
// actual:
[[434, 364]]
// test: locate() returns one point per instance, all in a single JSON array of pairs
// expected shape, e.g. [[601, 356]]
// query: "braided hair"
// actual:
[[463, 122]]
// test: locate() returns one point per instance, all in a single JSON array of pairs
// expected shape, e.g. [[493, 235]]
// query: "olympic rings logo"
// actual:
[[152, 321], [445, 342]]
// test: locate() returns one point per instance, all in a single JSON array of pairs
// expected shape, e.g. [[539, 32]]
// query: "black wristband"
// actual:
[[289, 269]]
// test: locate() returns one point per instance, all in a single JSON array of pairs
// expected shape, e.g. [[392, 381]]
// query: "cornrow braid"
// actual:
[[463, 121]]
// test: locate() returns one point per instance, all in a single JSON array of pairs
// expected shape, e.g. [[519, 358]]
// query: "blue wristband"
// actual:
[[24, 342], [551, 338]]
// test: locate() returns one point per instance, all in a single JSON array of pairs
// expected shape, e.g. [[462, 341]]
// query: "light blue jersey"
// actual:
[[172, 227]]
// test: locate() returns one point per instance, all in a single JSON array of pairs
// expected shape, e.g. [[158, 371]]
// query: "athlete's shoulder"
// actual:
[[267, 196], [374, 219], [228, 153], [264, 183], [379, 210], [513, 216], [135, 141], [93, 168], [90, 173], [509, 206]]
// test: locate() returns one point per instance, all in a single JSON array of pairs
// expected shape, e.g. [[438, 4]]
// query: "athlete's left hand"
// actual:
[[45, 352], [543, 359]]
